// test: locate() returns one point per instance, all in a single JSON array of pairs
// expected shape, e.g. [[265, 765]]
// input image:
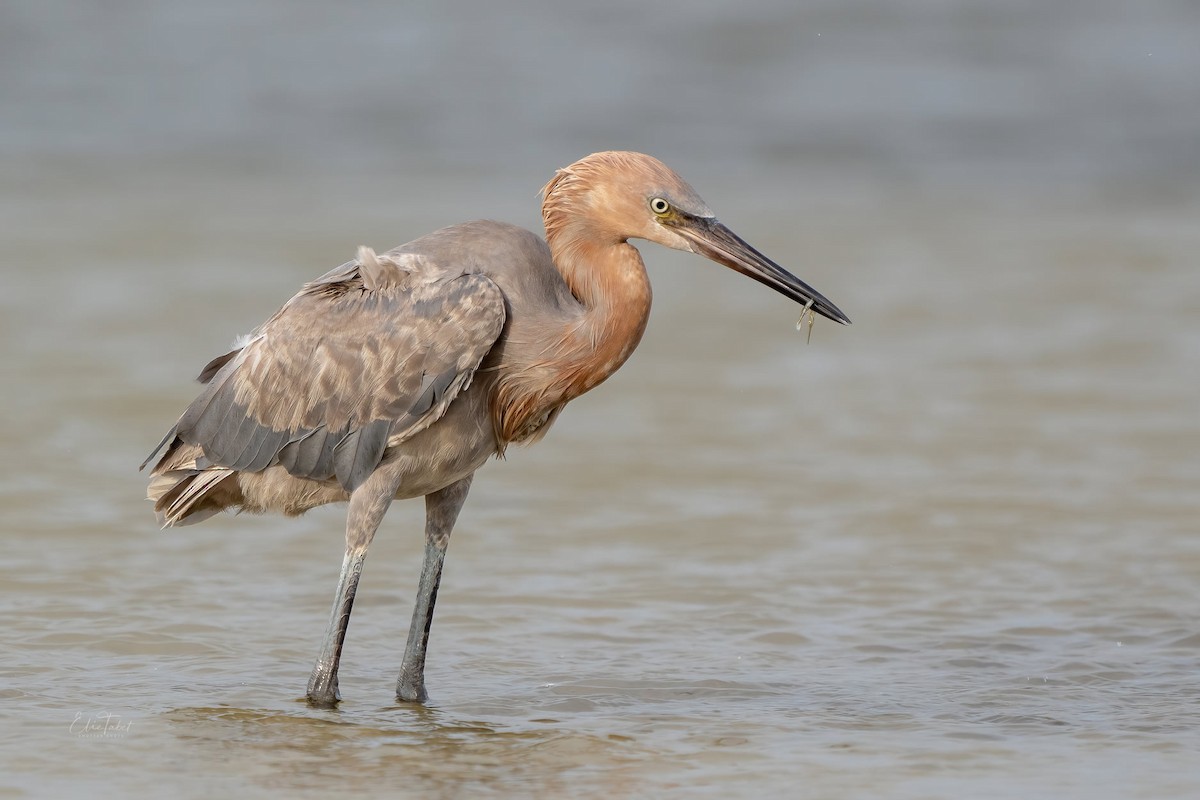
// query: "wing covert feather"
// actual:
[[346, 368]]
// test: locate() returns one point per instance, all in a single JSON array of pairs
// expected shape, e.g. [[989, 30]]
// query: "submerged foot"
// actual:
[[409, 690], [323, 700], [323, 690]]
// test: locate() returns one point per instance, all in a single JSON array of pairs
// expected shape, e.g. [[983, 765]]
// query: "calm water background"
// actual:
[[950, 551]]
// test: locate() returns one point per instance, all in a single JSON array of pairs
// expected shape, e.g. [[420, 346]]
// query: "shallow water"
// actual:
[[949, 551]]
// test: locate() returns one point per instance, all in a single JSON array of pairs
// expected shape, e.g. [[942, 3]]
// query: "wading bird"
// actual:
[[398, 375]]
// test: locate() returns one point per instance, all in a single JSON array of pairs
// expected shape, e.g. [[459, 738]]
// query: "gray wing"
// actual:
[[365, 357]]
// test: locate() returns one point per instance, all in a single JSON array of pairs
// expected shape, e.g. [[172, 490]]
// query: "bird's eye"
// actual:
[[659, 206]]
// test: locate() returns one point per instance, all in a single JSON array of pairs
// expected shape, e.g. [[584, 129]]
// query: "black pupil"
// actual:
[[660, 205]]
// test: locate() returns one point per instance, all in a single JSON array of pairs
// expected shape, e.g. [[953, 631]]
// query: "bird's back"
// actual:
[[516, 259]]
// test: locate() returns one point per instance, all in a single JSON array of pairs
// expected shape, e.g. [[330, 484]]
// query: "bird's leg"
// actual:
[[368, 504], [441, 510], [323, 684]]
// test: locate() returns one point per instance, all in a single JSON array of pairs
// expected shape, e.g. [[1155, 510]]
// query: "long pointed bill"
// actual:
[[714, 241]]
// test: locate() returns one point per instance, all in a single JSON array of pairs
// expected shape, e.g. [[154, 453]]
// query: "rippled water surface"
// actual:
[[950, 551]]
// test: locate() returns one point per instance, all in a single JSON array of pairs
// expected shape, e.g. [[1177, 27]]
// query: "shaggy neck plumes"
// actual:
[[606, 275], [610, 283]]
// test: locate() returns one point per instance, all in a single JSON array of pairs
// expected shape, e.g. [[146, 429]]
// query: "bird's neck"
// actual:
[[609, 280], [610, 283]]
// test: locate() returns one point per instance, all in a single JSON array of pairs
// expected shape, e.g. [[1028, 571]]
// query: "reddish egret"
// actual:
[[398, 375]]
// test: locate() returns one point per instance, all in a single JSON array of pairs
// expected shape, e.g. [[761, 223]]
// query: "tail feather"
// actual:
[[184, 493]]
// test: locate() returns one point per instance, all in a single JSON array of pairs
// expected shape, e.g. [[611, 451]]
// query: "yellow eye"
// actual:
[[659, 206]]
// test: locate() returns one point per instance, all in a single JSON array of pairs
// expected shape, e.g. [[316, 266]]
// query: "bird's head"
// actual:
[[615, 196]]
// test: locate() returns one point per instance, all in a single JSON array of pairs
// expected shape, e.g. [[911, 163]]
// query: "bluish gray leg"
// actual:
[[323, 684], [441, 511], [368, 504]]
